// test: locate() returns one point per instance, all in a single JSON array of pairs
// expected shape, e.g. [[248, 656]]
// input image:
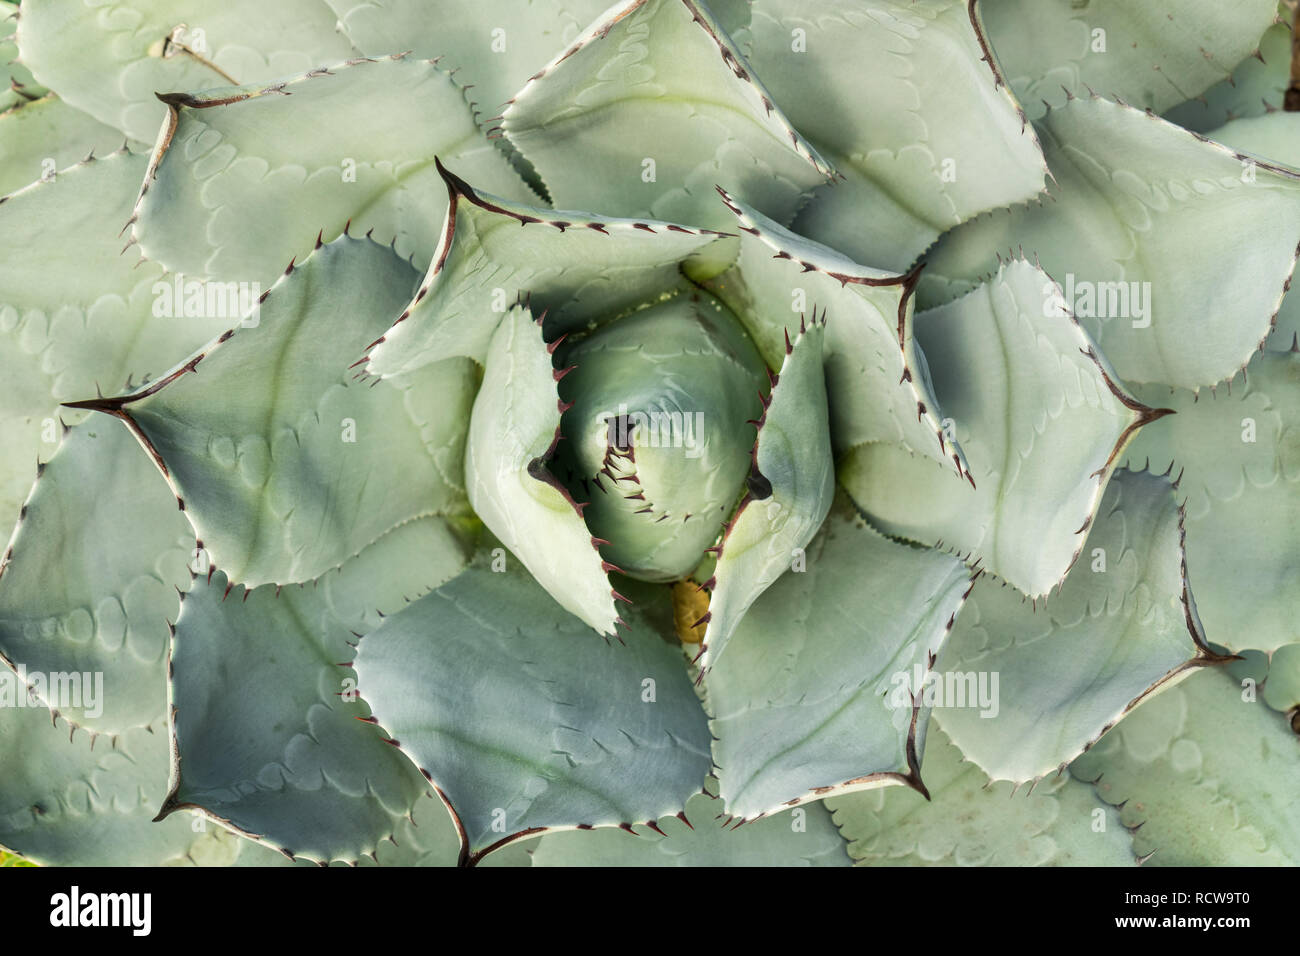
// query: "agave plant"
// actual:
[[752, 431]]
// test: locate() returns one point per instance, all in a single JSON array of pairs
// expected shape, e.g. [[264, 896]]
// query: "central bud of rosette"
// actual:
[[659, 438]]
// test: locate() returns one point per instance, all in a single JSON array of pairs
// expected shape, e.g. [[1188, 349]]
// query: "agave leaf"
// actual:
[[1154, 55], [91, 578], [939, 139], [17, 85], [47, 135], [973, 821], [1122, 628], [1256, 86], [1239, 453], [803, 836], [279, 750], [1132, 193], [109, 62], [791, 487], [1282, 686], [1041, 418], [661, 106], [429, 838], [812, 694], [243, 179], [260, 459], [493, 46], [616, 735], [83, 320], [660, 482], [877, 380], [77, 799], [513, 432], [1274, 137], [1205, 774], [576, 268]]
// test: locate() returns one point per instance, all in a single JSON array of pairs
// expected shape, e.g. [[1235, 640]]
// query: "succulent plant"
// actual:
[[754, 431]]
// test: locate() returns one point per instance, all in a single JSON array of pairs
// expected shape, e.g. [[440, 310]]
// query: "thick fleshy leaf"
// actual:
[[576, 268], [67, 799], [241, 180], [877, 382], [973, 821], [1042, 421], [266, 722], [513, 431], [1122, 628], [1255, 87], [90, 581], [1276, 138], [661, 107], [286, 476], [1133, 194], [110, 61], [803, 836], [47, 135], [428, 837], [1153, 54], [84, 320], [522, 721], [1282, 685], [1205, 774], [17, 85], [659, 436], [938, 139], [791, 487], [1238, 449], [812, 696], [494, 46]]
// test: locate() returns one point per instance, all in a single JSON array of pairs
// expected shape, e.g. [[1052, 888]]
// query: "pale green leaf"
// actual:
[[659, 435], [576, 268], [67, 799], [1238, 450], [973, 821], [513, 431], [241, 180], [803, 836], [1154, 54], [1061, 672], [935, 138], [17, 86], [1206, 773], [91, 579], [661, 107], [109, 60], [523, 720], [84, 320], [791, 487], [877, 383], [1040, 418], [284, 475], [1276, 138], [1134, 197], [47, 135], [1282, 686], [1256, 87], [266, 721], [812, 694], [494, 46]]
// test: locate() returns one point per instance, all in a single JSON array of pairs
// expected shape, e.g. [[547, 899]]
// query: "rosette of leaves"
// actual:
[[653, 421]]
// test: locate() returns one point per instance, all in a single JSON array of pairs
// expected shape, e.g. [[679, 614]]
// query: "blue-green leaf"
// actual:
[[812, 695], [523, 721], [661, 106]]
